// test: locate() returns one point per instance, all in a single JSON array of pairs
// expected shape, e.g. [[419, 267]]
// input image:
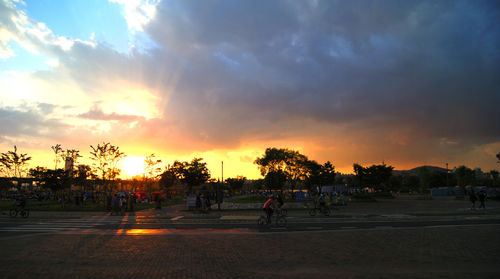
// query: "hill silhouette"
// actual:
[[414, 171]]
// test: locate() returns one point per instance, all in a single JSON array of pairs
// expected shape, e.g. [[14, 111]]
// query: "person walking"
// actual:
[[482, 199], [123, 205], [114, 204], [472, 199]]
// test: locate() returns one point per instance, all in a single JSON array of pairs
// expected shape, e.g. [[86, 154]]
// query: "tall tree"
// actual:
[[236, 184], [57, 153], [55, 180], [465, 176], [14, 163], [327, 174], [424, 177], [195, 173], [314, 175], [151, 166], [105, 157], [190, 174], [360, 174], [151, 170], [494, 177], [297, 167], [168, 178], [374, 176], [274, 159], [275, 180]]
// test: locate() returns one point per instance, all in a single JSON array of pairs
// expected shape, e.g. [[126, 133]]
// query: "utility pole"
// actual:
[[219, 192], [447, 175]]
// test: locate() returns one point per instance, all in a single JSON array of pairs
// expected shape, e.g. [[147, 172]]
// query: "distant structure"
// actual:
[[68, 166]]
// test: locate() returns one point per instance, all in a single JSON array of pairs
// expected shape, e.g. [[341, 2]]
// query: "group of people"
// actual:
[[473, 198], [203, 202], [119, 205]]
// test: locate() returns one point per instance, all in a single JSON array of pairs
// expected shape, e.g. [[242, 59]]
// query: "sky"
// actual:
[[407, 83]]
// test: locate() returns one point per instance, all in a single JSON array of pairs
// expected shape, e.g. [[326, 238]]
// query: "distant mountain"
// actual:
[[414, 171]]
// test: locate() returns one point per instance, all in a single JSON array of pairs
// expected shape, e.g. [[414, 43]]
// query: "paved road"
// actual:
[[150, 245], [158, 225]]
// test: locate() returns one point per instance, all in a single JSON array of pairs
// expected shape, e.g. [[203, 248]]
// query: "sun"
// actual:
[[133, 165]]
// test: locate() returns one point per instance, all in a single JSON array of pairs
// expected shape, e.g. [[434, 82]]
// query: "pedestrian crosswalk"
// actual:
[[62, 224]]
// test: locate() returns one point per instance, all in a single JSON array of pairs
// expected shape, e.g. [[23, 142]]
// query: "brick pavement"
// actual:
[[467, 252]]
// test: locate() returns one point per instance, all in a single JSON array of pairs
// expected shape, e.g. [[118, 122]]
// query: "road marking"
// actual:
[[314, 228], [176, 218], [58, 226], [383, 227], [398, 216], [348, 228], [33, 229], [240, 217]]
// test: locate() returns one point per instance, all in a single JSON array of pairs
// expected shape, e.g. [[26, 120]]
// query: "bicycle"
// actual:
[[23, 212], [322, 209], [281, 211], [280, 221]]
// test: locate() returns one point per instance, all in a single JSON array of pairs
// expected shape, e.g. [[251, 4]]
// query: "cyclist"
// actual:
[[268, 208], [21, 203]]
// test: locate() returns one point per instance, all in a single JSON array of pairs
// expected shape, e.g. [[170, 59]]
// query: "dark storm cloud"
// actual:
[[431, 66], [233, 71], [29, 122]]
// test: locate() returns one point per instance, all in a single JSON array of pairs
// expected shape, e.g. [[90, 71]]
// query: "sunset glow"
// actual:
[[132, 166], [223, 81]]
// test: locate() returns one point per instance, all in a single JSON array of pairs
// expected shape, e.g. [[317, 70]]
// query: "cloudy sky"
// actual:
[[404, 82]]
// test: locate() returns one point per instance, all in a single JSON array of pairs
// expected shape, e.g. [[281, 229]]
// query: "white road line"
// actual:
[[31, 229], [314, 228], [383, 227], [176, 218], [57, 226]]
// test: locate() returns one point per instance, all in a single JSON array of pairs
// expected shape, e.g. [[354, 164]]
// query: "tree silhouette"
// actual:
[[236, 183], [464, 176], [295, 167], [275, 180], [151, 170], [494, 177], [374, 176], [105, 157], [14, 163], [191, 174], [168, 178], [57, 152]]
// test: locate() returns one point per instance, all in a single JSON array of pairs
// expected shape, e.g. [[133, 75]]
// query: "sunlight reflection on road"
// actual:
[[177, 231]]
